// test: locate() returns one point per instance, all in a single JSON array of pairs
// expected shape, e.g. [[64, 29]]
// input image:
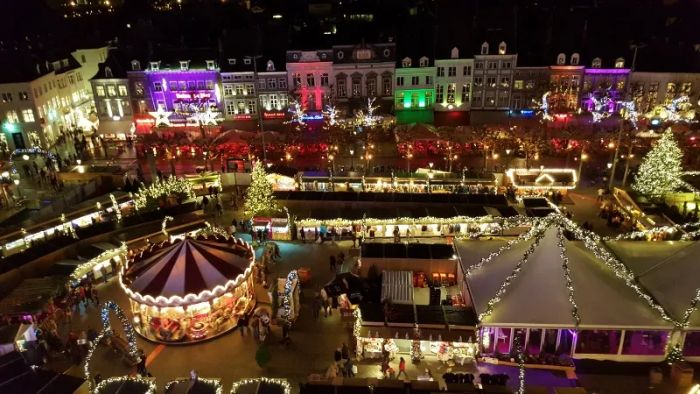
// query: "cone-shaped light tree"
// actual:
[[259, 198], [660, 171]]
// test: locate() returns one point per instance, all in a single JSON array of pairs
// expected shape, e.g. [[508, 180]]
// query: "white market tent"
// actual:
[[536, 301], [668, 270], [397, 286]]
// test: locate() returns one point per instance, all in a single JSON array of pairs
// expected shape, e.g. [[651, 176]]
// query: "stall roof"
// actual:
[[397, 286], [668, 270], [538, 295], [438, 198], [436, 251], [425, 333], [31, 295], [17, 377], [430, 315]]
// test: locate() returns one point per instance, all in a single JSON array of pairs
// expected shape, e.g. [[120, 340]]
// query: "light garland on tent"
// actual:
[[83, 269], [151, 386], [287, 296], [403, 220], [111, 306], [646, 234], [484, 260], [693, 307], [521, 364], [592, 242], [160, 188], [281, 382], [213, 383], [539, 234], [567, 276]]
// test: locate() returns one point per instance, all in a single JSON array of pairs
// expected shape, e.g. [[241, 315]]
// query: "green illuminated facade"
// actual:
[[414, 93]]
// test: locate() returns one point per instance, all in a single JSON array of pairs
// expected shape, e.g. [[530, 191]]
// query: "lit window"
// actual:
[[342, 91], [518, 84], [451, 71], [451, 88], [122, 90], [324, 79], [210, 65], [111, 90], [157, 86], [439, 93], [100, 91], [310, 81], [28, 115], [228, 89]]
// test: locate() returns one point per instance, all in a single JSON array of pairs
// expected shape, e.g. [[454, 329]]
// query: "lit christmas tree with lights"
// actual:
[[660, 171], [259, 198]]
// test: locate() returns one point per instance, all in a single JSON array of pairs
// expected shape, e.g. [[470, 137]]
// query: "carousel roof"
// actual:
[[187, 271]]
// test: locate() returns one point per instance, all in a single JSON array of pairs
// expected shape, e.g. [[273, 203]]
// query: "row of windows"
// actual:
[[241, 107], [13, 117], [356, 87], [239, 89], [50, 85], [184, 85], [415, 80], [310, 80], [272, 83], [452, 71], [7, 97], [493, 65], [492, 82], [113, 108], [111, 91]]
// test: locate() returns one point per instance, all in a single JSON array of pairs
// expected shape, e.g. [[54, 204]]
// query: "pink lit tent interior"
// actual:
[[616, 323], [190, 289]]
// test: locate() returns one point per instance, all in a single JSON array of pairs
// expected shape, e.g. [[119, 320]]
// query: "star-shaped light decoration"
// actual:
[[208, 117], [629, 112], [162, 117], [331, 114]]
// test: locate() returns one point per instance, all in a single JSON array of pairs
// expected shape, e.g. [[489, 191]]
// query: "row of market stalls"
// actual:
[[428, 181], [488, 199], [576, 299]]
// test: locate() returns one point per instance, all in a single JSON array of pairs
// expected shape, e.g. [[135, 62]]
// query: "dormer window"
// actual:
[[56, 65], [485, 48], [575, 59], [211, 65], [454, 53], [502, 48], [247, 61], [561, 59], [270, 66], [424, 61], [406, 62], [108, 72], [155, 66], [135, 65], [596, 63], [619, 62], [232, 61], [65, 62], [184, 65]]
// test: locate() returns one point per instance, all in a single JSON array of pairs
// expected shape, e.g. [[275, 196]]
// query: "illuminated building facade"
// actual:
[[604, 82], [493, 76], [414, 93], [308, 77], [182, 89], [649, 89], [41, 99], [112, 98], [364, 71], [241, 88]]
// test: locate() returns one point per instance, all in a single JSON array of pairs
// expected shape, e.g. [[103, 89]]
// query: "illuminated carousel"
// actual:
[[190, 289]]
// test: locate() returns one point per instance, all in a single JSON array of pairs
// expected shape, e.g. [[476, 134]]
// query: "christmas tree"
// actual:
[[259, 198], [675, 354], [660, 171]]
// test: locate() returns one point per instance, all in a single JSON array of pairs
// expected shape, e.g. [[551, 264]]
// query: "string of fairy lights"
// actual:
[[540, 228], [286, 304], [517, 344], [485, 260], [149, 387], [283, 383], [567, 275], [214, 385], [111, 306], [171, 186]]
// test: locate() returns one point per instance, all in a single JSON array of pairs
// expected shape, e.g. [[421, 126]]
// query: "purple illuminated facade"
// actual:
[[604, 81], [181, 91]]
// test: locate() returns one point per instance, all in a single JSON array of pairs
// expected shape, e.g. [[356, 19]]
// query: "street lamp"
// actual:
[[352, 158], [582, 158], [409, 156], [19, 191]]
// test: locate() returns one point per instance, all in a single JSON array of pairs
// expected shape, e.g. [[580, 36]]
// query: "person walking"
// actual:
[[349, 368], [402, 368], [243, 324]]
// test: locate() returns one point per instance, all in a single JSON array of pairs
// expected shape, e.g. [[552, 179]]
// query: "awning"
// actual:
[[397, 286], [115, 127]]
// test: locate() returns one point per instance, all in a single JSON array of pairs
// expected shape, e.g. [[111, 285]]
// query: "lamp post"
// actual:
[[581, 159], [615, 157], [507, 157], [352, 159], [409, 156], [256, 87], [19, 191]]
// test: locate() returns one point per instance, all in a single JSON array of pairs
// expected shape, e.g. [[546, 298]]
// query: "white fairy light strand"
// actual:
[[592, 243], [151, 386], [521, 364], [280, 382], [484, 260], [213, 383], [541, 227], [567, 276]]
